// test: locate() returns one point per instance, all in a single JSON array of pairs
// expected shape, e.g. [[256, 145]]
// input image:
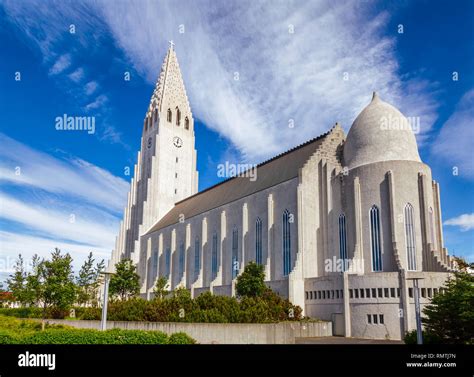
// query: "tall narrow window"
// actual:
[[286, 243], [169, 116], [168, 262], [410, 237], [214, 255], [235, 251], [342, 240], [432, 228], [155, 115], [186, 123], [197, 257], [258, 241], [178, 116], [375, 239], [181, 260]]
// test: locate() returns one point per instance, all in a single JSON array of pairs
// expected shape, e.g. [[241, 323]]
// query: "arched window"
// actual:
[[178, 116], [155, 115], [375, 239], [342, 240], [432, 228], [145, 124], [258, 241], [235, 253], [169, 116], [197, 257], [168, 262], [286, 243], [181, 260], [410, 237], [186, 123], [214, 255]]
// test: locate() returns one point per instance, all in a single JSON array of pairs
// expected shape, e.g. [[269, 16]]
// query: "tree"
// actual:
[[251, 282], [160, 290], [88, 280], [32, 294], [125, 282], [450, 315], [17, 282], [55, 280]]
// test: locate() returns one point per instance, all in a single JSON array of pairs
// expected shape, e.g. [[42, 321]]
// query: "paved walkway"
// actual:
[[342, 340]]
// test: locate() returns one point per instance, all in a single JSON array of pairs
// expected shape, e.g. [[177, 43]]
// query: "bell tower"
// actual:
[[165, 172]]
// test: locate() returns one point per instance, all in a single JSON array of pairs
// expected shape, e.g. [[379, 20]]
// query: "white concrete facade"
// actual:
[[368, 201]]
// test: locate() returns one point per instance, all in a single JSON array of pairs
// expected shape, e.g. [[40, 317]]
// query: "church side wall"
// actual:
[[284, 197]]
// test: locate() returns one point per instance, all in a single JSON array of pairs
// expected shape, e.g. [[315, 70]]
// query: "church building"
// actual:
[[343, 225]]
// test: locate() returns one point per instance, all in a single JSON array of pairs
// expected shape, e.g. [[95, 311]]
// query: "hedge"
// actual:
[[179, 307]]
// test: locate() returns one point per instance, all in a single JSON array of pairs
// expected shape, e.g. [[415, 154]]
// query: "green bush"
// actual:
[[180, 338], [428, 338], [179, 307]]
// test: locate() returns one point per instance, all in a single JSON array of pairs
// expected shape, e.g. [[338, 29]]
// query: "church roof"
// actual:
[[274, 171], [379, 133]]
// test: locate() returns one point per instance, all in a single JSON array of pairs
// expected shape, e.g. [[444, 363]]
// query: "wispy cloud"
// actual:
[[63, 62], [454, 142], [465, 221], [77, 75], [98, 102], [90, 87], [24, 166], [252, 67], [48, 202]]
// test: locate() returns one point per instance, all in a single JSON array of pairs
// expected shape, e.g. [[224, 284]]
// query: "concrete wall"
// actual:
[[217, 333]]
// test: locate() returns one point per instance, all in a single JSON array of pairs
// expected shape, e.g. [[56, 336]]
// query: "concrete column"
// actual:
[[427, 264], [160, 255], [269, 265], [218, 280], [438, 221], [347, 306], [358, 247], [393, 220], [146, 264]]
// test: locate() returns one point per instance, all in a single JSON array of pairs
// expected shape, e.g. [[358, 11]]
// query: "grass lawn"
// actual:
[[24, 331]]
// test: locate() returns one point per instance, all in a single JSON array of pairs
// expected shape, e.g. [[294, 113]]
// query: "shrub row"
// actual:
[[179, 307], [207, 308]]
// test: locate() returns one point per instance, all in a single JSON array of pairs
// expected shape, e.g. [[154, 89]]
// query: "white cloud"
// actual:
[[454, 142], [24, 166], [48, 202], [465, 221], [77, 75], [97, 103], [282, 76], [90, 87], [61, 64]]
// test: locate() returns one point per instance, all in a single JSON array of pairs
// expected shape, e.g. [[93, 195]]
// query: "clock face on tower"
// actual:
[[178, 142], [149, 142]]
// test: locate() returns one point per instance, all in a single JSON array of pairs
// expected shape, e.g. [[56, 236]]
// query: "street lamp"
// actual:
[[103, 322], [416, 295]]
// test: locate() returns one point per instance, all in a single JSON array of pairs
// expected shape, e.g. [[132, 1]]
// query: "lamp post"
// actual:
[[416, 295], [103, 322]]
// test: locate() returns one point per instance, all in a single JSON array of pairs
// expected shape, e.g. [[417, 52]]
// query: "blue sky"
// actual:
[[291, 58]]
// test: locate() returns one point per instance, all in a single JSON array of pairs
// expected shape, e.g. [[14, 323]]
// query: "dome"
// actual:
[[379, 133]]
